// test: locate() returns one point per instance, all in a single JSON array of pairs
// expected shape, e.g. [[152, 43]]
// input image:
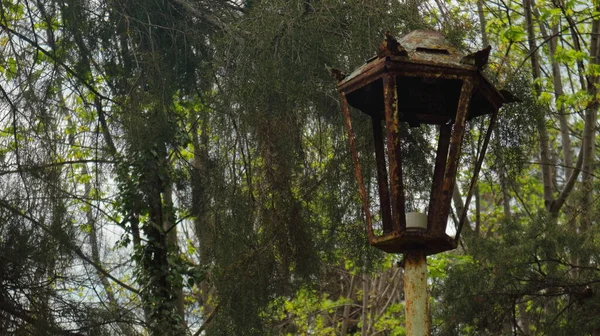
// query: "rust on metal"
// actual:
[[392, 120], [403, 241], [432, 46], [438, 177], [391, 47], [420, 78], [338, 74], [357, 169], [362, 76], [382, 176], [443, 209], [478, 59]]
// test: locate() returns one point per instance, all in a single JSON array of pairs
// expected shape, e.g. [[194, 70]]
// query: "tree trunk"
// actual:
[[171, 230], [541, 120], [482, 24], [347, 306], [589, 138], [125, 328], [365, 305], [204, 228]]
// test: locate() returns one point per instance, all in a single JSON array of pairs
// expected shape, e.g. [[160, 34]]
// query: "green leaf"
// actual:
[[514, 34]]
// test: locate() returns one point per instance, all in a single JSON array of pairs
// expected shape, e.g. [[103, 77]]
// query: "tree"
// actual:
[[180, 167]]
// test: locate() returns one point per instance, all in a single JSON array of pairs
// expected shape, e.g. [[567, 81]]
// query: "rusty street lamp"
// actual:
[[419, 81]]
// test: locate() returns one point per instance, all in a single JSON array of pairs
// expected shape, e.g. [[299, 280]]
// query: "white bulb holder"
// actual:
[[416, 221]]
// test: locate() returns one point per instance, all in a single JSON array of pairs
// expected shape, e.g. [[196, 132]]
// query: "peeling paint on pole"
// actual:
[[415, 292]]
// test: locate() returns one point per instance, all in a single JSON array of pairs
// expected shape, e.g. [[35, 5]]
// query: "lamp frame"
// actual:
[[388, 68]]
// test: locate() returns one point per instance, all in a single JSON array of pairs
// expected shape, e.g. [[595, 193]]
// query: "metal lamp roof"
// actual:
[[430, 46], [419, 59]]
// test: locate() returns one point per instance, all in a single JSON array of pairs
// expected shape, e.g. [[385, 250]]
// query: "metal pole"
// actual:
[[415, 293]]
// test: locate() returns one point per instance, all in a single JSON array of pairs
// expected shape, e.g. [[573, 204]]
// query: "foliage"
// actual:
[[181, 167]]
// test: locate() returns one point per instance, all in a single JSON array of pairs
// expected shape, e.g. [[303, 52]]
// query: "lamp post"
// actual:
[[421, 81]]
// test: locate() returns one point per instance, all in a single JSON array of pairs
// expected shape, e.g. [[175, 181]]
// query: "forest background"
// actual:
[[180, 167]]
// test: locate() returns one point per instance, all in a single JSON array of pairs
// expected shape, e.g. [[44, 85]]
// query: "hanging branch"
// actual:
[[67, 243], [59, 62]]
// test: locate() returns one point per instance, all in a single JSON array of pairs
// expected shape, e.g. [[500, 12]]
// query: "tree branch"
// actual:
[[57, 61], [75, 249]]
